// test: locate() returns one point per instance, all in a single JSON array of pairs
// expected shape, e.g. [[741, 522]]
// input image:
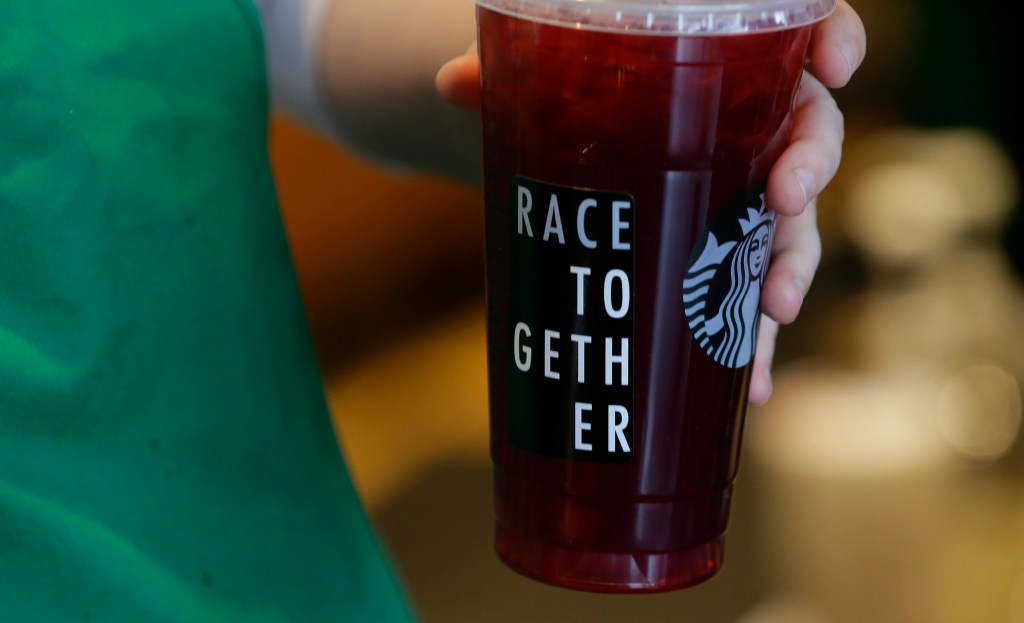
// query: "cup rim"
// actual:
[[668, 17]]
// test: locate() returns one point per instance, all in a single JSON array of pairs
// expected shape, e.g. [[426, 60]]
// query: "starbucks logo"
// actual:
[[722, 287]]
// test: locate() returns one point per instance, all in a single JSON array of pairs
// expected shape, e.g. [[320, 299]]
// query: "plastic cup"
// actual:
[[626, 149]]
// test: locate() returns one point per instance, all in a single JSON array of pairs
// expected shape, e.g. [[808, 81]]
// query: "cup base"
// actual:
[[608, 572]]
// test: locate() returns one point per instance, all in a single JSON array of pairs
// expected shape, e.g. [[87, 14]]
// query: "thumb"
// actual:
[[458, 80]]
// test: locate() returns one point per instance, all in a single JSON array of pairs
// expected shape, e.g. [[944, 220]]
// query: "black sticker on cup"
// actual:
[[571, 374], [722, 288]]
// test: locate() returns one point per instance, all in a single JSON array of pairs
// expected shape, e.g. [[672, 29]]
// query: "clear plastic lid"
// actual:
[[668, 17]]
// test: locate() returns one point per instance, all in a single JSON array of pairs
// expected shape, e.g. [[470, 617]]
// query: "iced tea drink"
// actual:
[[626, 148]]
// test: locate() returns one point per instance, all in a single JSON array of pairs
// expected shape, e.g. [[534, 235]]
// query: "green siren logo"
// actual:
[[722, 287]]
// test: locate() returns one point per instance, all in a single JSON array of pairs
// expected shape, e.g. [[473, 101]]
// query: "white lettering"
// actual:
[[581, 272], [554, 221], [623, 308], [618, 225], [610, 359], [618, 420], [580, 218], [525, 351], [525, 205], [582, 426], [581, 342], [550, 354]]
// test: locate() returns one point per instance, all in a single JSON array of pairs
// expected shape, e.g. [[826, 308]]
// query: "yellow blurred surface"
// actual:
[[372, 249], [377, 253]]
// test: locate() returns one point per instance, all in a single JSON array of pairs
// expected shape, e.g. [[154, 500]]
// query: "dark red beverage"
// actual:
[[626, 241]]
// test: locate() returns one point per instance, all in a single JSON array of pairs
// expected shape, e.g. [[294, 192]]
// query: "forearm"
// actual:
[[378, 62]]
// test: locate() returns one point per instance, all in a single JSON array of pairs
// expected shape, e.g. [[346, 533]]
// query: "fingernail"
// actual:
[[801, 287], [766, 387], [847, 51], [806, 182]]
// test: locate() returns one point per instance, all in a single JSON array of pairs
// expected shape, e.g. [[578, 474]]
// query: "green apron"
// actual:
[[165, 448]]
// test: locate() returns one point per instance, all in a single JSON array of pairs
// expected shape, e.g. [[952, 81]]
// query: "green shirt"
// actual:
[[165, 448]]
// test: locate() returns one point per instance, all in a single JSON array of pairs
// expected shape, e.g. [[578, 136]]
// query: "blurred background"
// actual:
[[883, 482]]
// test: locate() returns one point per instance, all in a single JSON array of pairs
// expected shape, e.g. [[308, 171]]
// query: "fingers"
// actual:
[[838, 46], [795, 259], [809, 163], [761, 377], [796, 254], [458, 81], [812, 157]]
